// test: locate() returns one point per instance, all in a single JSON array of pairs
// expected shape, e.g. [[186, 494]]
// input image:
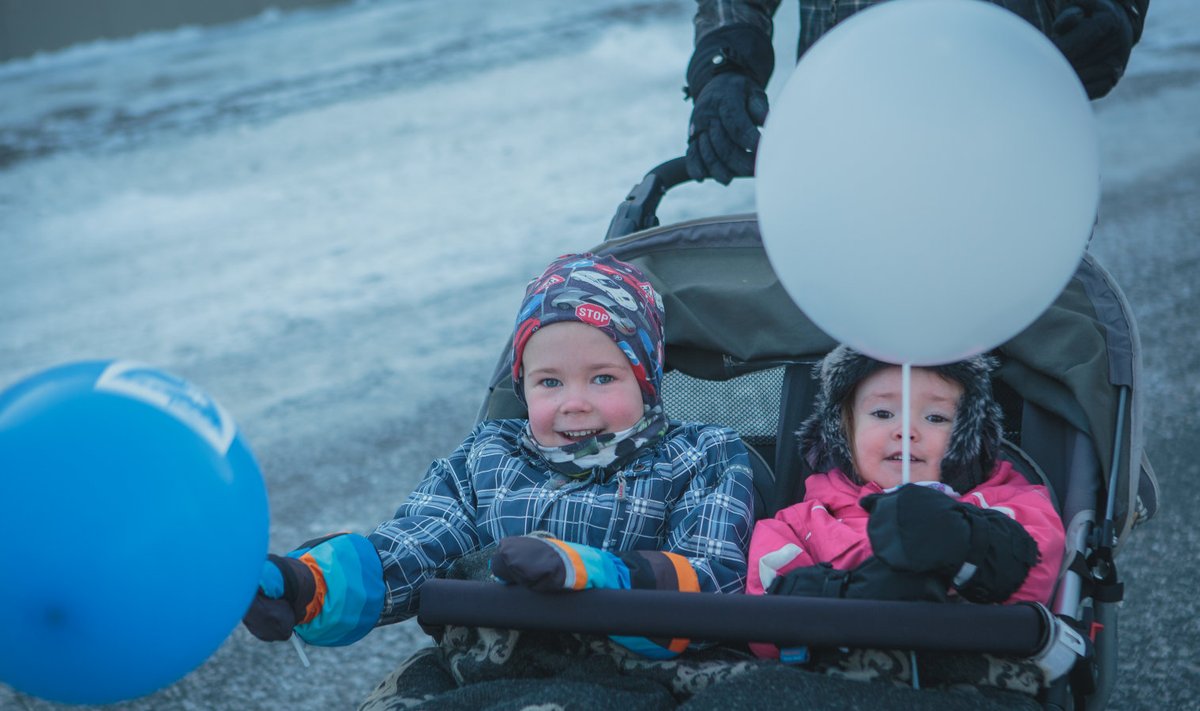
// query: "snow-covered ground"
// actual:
[[325, 218]]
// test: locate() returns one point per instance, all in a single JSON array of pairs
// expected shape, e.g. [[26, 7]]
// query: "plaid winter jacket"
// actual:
[[819, 16], [691, 495]]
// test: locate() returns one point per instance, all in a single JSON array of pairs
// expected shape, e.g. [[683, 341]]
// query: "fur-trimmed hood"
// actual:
[[974, 440]]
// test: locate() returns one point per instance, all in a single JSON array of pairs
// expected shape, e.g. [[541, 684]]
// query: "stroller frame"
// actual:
[[1069, 385]]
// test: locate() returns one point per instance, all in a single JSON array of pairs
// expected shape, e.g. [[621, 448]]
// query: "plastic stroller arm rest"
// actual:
[[922, 626]]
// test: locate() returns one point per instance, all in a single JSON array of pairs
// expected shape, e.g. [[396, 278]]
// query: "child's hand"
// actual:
[[286, 588], [1001, 556], [871, 580], [551, 565], [918, 529], [330, 589], [987, 554]]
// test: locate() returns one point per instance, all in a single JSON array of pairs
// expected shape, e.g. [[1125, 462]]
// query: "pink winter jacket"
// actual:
[[829, 526]]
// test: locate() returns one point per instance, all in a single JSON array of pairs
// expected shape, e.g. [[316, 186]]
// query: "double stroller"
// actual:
[[740, 353]]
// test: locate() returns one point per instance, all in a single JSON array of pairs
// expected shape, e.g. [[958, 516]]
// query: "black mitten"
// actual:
[[1096, 36], [726, 77], [999, 558], [871, 580], [876, 580], [918, 529], [986, 554], [822, 580]]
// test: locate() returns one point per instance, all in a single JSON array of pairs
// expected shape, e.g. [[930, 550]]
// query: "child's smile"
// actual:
[[578, 435]]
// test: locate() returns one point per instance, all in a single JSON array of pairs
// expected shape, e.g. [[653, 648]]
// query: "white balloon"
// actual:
[[928, 179]]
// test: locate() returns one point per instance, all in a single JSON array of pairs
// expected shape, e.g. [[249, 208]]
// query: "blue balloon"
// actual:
[[134, 524]]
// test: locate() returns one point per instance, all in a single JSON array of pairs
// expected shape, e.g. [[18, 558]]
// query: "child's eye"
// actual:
[[882, 414], [603, 379], [938, 419], [549, 382]]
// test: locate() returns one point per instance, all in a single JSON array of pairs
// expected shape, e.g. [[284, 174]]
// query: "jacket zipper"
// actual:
[[618, 515]]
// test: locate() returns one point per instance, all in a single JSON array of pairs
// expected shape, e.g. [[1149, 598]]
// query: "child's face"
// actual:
[[578, 384], [878, 428]]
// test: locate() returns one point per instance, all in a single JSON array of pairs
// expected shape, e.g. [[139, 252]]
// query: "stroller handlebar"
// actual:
[[637, 211]]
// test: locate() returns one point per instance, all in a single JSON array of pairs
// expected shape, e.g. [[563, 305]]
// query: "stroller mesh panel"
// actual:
[[748, 404]]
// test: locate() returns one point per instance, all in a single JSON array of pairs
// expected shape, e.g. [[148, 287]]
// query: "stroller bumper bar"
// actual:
[[1025, 630]]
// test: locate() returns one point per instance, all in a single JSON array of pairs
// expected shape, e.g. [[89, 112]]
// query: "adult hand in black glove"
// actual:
[[1096, 36], [286, 588], [723, 133], [726, 75], [987, 554]]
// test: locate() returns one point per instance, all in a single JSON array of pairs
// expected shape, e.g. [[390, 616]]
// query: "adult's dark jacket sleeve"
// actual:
[[1137, 15], [714, 14]]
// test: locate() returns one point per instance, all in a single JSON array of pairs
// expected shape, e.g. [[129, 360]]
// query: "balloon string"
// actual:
[[906, 424], [300, 650]]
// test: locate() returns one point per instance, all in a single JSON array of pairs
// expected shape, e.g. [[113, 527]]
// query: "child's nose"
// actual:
[[575, 400]]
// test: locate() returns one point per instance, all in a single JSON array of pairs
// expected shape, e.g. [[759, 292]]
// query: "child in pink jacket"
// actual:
[[968, 525]]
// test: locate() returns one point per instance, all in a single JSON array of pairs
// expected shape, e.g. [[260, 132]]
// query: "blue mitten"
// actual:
[[330, 591], [551, 565], [287, 591]]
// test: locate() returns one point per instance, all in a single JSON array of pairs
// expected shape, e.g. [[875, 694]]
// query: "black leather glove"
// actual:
[[986, 554], [871, 580], [723, 134], [286, 588], [1097, 36], [726, 77]]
